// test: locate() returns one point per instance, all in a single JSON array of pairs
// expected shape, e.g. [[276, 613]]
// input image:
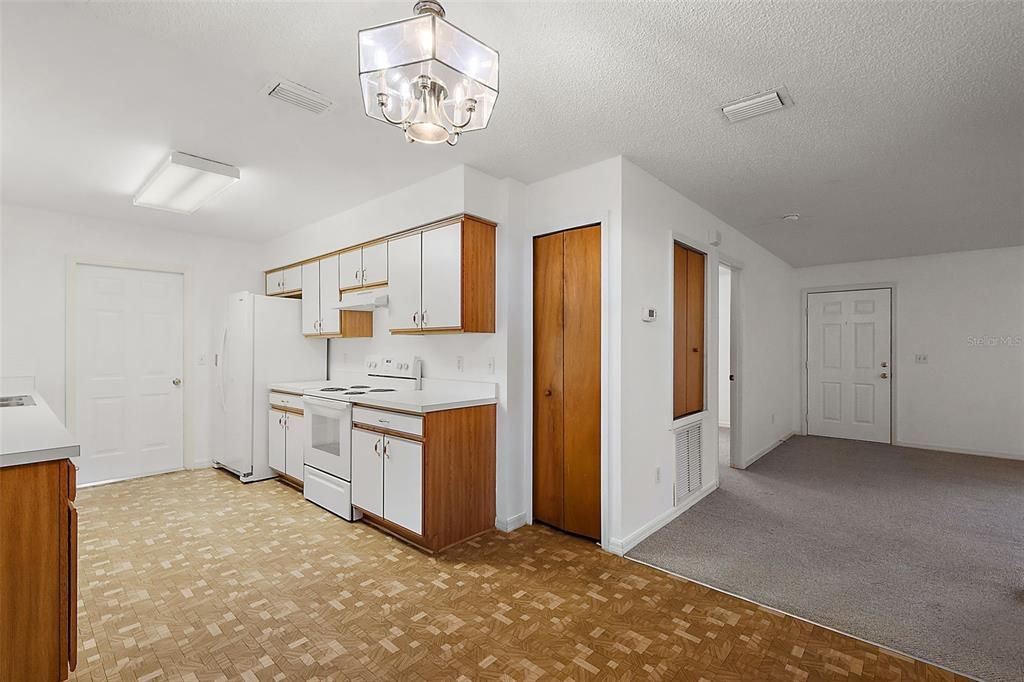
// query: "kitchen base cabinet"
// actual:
[[433, 490], [38, 571], [285, 446]]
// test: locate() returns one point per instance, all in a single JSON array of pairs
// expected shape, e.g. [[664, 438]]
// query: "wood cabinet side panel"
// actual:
[[478, 276], [458, 474], [33, 571]]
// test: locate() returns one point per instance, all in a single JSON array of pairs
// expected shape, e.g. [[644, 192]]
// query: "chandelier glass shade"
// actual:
[[427, 77]]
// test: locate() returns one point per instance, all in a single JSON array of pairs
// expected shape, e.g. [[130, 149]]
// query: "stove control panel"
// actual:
[[401, 366]]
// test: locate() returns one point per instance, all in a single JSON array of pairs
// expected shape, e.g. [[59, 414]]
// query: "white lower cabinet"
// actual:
[[285, 446], [276, 440], [368, 471], [294, 448], [403, 483], [387, 478]]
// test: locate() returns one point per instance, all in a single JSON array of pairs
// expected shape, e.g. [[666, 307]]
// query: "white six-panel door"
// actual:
[[849, 372], [128, 354]]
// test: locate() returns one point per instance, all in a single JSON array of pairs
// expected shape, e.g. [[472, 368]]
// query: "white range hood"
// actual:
[[368, 299]]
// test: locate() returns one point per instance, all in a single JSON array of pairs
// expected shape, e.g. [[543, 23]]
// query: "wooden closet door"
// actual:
[[581, 369], [694, 332], [548, 411], [678, 330]]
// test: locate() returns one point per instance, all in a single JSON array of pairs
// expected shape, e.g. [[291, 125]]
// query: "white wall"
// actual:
[[724, 331], [966, 312], [651, 213], [34, 248]]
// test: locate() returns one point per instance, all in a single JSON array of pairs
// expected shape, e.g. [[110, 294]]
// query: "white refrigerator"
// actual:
[[261, 343]]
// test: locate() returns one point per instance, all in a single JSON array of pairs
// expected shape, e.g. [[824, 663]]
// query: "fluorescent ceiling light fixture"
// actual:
[[182, 182]]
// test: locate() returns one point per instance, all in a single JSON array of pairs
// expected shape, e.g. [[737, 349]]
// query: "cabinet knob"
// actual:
[[547, 391]]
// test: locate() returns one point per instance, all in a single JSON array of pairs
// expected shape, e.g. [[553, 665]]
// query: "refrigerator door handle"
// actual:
[[223, 352]]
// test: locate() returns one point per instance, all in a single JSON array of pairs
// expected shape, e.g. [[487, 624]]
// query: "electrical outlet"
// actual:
[[921, 359], [490, 365], [657, 474], [459, 363], [202, 360]]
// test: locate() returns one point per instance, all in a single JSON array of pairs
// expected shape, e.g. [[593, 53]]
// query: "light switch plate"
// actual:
[[921, 359]]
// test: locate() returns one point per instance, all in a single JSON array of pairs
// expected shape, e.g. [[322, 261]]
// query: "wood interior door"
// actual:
[[567, 380], [688, 331]]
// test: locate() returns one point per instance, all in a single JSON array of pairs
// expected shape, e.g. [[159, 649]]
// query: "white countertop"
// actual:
[[32, 433], [434, 396], [425, 400]]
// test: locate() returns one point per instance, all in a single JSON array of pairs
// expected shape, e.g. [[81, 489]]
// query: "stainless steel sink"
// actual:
[[16, 401]]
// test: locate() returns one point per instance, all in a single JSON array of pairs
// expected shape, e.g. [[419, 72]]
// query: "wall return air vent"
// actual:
[[299, 96], [755, 105]]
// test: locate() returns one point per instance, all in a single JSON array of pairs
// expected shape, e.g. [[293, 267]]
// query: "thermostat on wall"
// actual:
[[649, 314]]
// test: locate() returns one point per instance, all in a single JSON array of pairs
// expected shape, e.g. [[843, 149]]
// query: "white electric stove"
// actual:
[[327, 478]]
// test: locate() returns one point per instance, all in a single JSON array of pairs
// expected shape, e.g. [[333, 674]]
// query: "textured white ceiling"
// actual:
[[906, 137]]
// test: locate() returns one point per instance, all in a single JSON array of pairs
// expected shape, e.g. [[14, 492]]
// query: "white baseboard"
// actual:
[[768, 449], [204, 464], [622, 545], [961, 451], [511, 523]]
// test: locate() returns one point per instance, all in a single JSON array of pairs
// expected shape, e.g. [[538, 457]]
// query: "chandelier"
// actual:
[[427, 77]]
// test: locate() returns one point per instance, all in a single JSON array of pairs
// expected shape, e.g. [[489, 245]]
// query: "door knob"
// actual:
[[885, 375], [176, 381], [547, 391]]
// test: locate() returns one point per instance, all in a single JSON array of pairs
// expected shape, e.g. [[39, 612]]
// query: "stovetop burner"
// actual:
[[355, 392], [333, 388], [359, 386], [382, 390]]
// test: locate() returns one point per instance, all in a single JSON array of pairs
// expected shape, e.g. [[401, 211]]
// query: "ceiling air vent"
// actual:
[[753, 106], [299, 96]]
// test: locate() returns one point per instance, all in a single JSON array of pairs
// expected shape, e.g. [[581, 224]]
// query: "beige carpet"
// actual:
[[918, 550]]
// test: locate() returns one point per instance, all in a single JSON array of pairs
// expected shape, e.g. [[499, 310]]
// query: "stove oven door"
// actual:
[[328, 437]]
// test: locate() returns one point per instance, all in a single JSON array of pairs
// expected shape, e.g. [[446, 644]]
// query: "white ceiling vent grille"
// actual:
[[299, 96], [753, 106], [689, 452]]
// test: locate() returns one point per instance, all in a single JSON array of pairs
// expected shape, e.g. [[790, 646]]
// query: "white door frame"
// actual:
[[188, 452], [604, 220], [735, 361], [893, 345]]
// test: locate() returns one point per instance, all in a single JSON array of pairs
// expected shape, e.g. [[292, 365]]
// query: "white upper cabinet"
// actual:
[[311, 298], [330, 318], [350, 266], [404, 263], [291, 279], [442, 278], [375, 264], [287, 281], [275, 281]]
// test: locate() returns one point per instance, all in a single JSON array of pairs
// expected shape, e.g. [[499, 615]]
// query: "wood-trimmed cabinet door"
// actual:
[[350, 269], [403, 483], [330, 317], [404, 282], [311, 299], [368, 471], [276, 441], [293, 445], [442, 278], [375, 264]]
